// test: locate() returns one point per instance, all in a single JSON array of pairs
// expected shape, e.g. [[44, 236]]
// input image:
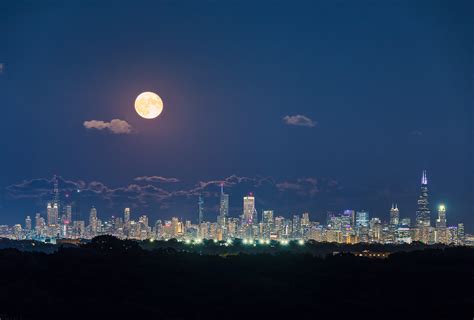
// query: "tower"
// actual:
[[201, 210], [441, 221], [249, 209], [93, 221], [52, 213], [461, 236], [394, 216], [126, 215], [362, 219], [423, 212], [440, 232], [28, 223], [224, 206]]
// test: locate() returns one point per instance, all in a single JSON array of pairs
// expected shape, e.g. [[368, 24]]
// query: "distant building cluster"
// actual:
[[348, 227]]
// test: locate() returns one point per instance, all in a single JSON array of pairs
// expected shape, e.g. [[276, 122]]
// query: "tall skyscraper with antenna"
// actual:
[[423, 212]]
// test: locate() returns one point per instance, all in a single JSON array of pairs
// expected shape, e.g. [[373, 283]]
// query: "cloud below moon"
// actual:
[[299, 120], [115, 126]]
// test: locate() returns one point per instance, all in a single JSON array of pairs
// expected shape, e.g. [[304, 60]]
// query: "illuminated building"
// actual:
[[394, 216], [375, 230], [362, 219], [17, 231], [68, 209], [460, 234], [452, 235], [249, 209], [317, 233], [223, 208], [403, 235], [351, 215], [423, 213], [267, 224], [405, 222], [296, 232], [200, 210], [93, 223], [204, 230], [158, 230], [441, 233], [441, 221], [52, 213], [305, 220], [126, 215], [28, 223]]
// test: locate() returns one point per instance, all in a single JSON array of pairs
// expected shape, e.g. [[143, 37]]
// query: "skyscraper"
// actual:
[[201, 210], [441, 233], [461, 235], [394, 216], [68, 210], [423, 212], [296, 227], [28, 223], [126, 216], [267, 222], [362, 219], [52, 213], [441, 221], [350, 214], [93, 221], [249, 209], [224, 207]]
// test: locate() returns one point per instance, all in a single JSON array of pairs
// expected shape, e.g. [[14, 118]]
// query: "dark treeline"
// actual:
[[109, 278]]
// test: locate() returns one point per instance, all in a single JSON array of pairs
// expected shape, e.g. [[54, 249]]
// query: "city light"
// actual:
[[349, 226]]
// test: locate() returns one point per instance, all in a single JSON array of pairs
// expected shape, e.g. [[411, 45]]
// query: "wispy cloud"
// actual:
[[115, 126], [156, 179], [299, 120]]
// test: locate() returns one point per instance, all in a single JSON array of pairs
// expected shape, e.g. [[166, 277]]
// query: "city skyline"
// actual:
[[214, 200], [349, 226]]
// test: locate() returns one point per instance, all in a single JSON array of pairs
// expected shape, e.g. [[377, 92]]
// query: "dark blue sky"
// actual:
[[388, 85]]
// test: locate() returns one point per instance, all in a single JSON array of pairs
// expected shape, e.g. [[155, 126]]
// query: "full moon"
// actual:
[[148, 105]]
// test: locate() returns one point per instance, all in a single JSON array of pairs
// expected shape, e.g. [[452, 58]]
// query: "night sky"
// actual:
[[313, 106]]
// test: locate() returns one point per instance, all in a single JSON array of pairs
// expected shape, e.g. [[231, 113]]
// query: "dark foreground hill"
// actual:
[[113, 279]]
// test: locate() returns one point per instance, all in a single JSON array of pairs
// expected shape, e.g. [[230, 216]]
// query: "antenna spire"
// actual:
[[424, 179]]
